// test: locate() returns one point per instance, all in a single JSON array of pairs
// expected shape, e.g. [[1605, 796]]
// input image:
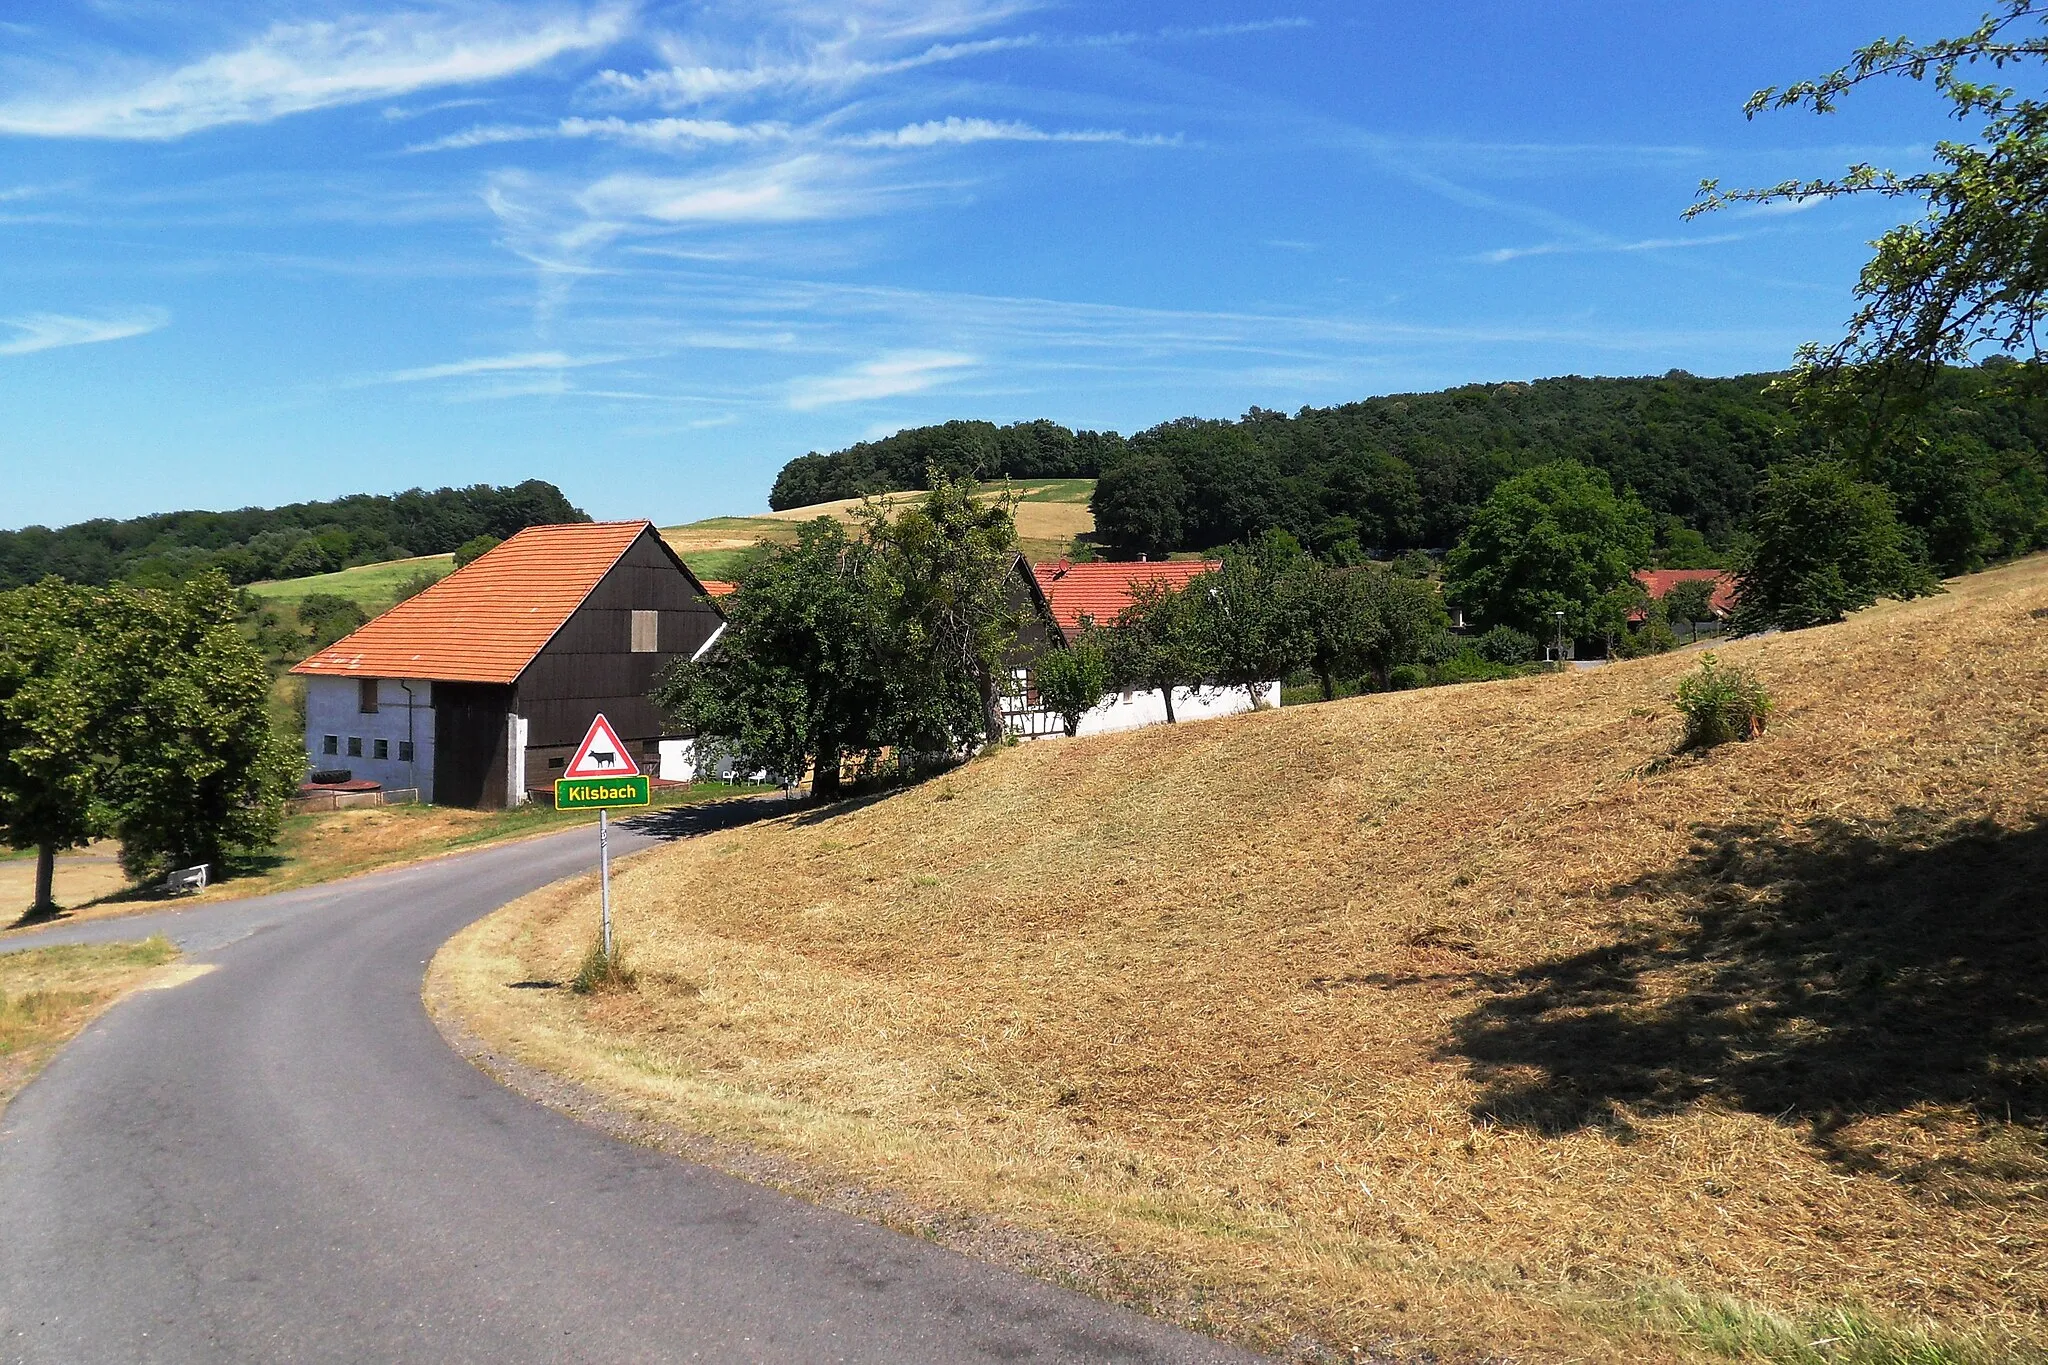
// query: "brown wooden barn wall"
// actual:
[[589, 666]]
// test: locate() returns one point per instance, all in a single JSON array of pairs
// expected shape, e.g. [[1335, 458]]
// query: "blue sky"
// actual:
[[254, 254]]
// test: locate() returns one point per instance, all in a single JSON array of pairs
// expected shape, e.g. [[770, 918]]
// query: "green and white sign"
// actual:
[[600, 793]]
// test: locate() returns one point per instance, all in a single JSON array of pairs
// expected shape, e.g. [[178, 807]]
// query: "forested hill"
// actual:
[[1406, 471], [279, 542]]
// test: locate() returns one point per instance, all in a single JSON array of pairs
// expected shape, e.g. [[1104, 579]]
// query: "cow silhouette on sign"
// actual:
[[604, 758]]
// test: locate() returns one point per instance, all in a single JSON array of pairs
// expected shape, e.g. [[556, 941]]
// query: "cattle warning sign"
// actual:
[[601, 755], [602, 774]]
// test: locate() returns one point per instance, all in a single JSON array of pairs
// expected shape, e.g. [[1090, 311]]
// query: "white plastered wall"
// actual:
[[332, 708]]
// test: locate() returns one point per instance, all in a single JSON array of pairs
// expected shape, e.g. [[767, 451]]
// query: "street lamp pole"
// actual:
[[1560, 638]]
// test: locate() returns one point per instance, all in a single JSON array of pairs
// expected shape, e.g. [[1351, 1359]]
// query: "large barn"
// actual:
[[477, 691]]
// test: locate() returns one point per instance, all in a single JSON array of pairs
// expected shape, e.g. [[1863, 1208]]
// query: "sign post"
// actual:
[[602, 777]]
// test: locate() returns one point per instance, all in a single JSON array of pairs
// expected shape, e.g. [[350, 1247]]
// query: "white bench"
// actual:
[[187, 879]]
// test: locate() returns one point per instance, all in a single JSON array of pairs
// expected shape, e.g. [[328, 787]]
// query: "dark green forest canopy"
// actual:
[[255, 543], [1407, 471]]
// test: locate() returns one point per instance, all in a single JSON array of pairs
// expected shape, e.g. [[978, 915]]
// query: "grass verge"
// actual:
[[1466, 1022], [48, 994]]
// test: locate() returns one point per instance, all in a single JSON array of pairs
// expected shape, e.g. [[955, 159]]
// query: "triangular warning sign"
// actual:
[[601, 755]]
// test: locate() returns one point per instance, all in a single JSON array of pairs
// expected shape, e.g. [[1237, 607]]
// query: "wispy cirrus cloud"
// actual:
[[960, 131], [293, 68], [687, 84], [888, 377], [516, 363], [658, 133], [1503, 255], [683, 134], [27, 333]]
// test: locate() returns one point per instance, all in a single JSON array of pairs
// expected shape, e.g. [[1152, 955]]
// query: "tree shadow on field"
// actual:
[[705, 817], [1832, 972]]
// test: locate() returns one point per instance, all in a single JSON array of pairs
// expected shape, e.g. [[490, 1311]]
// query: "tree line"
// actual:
[[1370, 480], [255, 543], [136, 713]]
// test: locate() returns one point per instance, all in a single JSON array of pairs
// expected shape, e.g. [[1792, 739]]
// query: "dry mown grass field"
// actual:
[[1466, 1020]]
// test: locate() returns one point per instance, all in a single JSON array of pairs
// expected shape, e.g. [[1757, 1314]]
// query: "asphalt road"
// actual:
[[281, 1160]]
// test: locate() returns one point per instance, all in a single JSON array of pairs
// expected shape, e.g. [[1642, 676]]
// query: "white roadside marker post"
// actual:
[[604, 863]]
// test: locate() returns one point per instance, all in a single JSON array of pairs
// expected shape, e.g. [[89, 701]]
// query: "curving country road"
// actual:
[[282, 1160]]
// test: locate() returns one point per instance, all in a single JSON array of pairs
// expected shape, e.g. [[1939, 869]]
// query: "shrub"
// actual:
[[1651, 637], [1506, 645], [475, 548], [418, 582], [1406, 676], [1720, 704], [1468, 666]]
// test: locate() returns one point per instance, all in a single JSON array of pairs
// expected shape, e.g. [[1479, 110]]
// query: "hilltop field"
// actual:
[[1050, 513], [1470, 1021]]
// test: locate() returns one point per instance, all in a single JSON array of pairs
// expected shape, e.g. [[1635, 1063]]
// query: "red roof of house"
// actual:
[[718, 587], [1100, 591], [486, 621], [1658, 582]]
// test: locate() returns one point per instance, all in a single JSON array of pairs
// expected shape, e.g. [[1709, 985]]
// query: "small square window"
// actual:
[[330, 744], [405, 751], [646, 631], [558, 763], [383, 749], [366, 696], [355, 747]]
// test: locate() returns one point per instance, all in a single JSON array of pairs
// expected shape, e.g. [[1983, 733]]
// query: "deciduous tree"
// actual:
[[180, 702], [52, 764], [1825, 544], [1072, 680], [1555, 538]]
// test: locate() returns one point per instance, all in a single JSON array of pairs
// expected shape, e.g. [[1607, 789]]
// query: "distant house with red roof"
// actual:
[[1072, 596], [1658, 582], [477, 690]]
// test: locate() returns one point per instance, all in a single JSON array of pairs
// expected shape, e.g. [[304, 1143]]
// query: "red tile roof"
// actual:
[[718, 587], [486, 621], [1100, 591], [1658, 582]]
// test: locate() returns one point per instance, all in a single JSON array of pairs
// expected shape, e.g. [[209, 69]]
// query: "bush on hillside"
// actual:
[[475, 548], [1506, 645], [417, 583], [1720, 704], [1406, 677], [1469, 666], [326, 617]]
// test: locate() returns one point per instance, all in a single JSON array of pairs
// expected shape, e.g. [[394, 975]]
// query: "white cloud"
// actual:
[[900, 373], [682, 85], [790, 190], [292, 68], [496, 364], [960, 131], [48, 331], [657, 134]]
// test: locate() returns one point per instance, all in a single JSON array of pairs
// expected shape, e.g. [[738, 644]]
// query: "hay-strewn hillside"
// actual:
[[1466, 1019]]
